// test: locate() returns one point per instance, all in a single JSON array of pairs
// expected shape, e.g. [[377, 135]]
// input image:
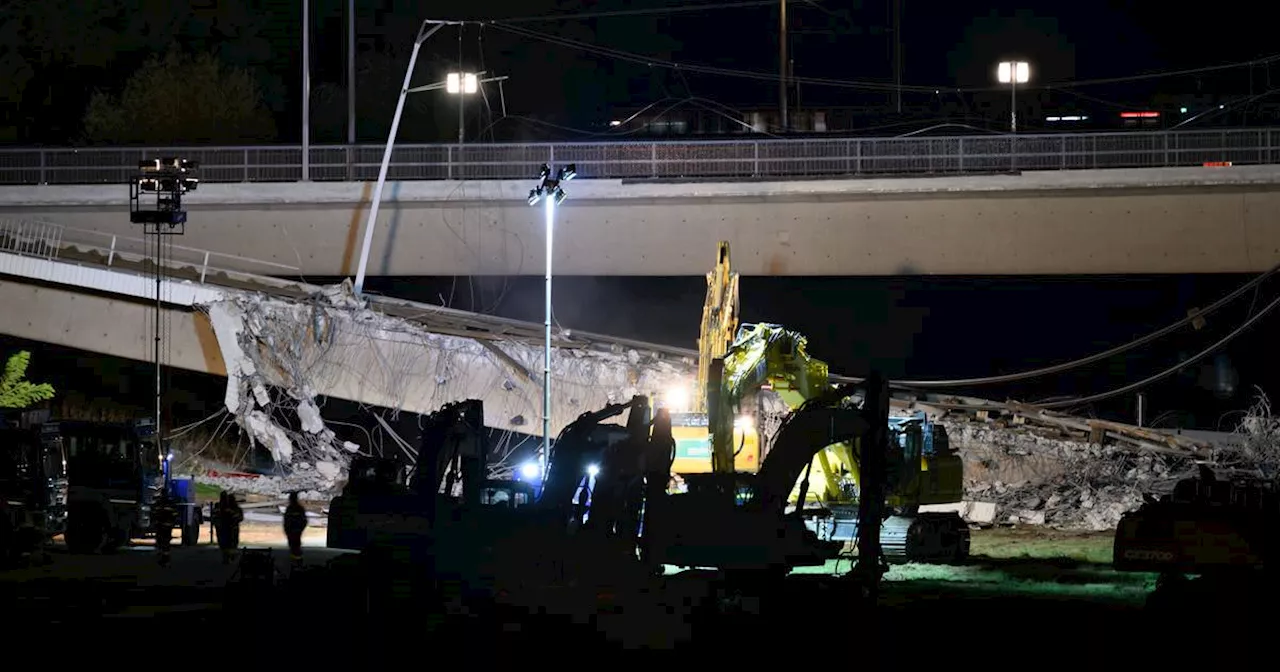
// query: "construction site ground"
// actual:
[[1025, 590]]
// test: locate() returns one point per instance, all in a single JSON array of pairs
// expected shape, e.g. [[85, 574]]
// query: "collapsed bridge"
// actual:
[[283, 344]]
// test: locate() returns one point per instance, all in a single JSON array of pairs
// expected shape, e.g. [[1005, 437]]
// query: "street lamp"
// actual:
[[461, 84], [1013, 73], [465, 83], [550, 192]]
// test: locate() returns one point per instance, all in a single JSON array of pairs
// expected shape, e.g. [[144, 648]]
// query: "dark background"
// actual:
[[917, 328], [570, 76]]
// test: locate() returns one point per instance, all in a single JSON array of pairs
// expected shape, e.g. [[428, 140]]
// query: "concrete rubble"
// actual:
[[283, 356], [1022, 465], [1035, 479]]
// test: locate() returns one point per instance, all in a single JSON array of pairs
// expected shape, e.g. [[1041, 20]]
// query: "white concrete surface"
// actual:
[[1143, 221]]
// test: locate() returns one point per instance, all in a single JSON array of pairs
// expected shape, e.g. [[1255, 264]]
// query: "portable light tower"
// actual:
[[550, 191], [155, 202]]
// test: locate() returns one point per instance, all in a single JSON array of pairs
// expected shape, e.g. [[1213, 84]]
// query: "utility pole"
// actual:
[[306, 90], [897, 54], [782, 64], [351, 72], [462, 98]]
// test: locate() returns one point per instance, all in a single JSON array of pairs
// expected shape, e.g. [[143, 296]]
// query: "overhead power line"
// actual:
[[855, 84], [1098, 356], [1171, 371], [651, 61], [650, 11]]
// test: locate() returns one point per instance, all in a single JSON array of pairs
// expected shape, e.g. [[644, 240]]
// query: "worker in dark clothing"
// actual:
[[227, 521], [163, 517], [295, 521]]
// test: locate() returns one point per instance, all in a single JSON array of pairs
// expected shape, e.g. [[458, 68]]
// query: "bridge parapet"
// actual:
[[747, 158]]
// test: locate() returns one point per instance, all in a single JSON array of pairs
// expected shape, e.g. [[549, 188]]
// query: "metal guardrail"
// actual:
[[805, 157], [47, 240], [31, 239]]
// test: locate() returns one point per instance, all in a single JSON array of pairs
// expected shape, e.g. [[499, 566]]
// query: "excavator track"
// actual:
[[925, 537]]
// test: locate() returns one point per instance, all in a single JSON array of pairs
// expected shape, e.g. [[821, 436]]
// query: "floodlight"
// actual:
[[1013, 72]]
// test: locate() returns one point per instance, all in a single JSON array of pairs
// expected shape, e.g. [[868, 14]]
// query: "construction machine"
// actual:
[[1213, 542], [739, 521], [448, 494], [1208, 524], [33, 489], [386, 506], [922, 469], [688, 407], [763, 357], [115, 472]]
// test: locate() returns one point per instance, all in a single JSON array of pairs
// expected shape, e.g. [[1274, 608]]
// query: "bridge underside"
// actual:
[[1062, 223], [308, 348]]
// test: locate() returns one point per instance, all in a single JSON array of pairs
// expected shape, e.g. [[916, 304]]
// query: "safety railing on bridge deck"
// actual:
[[32, 239], [801, 157], [56, 243], [52, 241]]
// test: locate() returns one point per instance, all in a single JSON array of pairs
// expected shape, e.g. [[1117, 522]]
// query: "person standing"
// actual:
[[163, 517], [227, 522], [295, 522]]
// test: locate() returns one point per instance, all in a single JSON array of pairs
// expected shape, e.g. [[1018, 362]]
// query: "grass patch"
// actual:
[[207, 492], [1042, 544], [1021, 562]]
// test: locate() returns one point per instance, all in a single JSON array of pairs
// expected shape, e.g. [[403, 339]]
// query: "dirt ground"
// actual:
[[1024, 590]]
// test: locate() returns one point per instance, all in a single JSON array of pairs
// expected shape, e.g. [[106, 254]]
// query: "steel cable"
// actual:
[[1098, 356]]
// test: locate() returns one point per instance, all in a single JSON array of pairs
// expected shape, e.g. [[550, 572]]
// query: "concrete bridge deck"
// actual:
[[394, 353], [1160, 220]]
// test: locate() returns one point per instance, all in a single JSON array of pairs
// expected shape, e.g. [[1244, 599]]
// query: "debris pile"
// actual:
[[1039, 480], [283, 355]]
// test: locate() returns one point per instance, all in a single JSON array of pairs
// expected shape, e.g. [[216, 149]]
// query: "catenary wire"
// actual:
[[1090, 359]]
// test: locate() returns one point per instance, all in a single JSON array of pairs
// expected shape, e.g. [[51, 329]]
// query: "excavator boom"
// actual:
[[719, 322]]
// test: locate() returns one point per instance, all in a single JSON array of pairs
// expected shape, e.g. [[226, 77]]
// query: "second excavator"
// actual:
[[715, 430]]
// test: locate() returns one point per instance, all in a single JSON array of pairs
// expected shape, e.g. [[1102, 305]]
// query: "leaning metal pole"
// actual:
[[424, 33], [306, 90], [546, 352]]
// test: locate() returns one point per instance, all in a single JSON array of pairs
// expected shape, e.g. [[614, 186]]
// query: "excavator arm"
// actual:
[[762, 355], [816, 424], [719, 322], [567, 461]]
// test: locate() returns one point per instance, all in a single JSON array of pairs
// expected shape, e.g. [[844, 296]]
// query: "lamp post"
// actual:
[[429, 28], [1013, 73], [306, 90], [549, 191], [462, 84]]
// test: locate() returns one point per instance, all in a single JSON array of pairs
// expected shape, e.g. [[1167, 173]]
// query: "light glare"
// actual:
[[677, 399], [1016, 72]]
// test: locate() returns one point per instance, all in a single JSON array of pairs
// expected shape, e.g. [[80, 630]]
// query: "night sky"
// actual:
[[569, 77]]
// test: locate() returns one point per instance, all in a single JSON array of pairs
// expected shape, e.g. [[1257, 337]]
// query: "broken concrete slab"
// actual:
[[978, 513]]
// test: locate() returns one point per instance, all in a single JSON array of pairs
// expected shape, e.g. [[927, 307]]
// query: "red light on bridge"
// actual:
[[1139, 115]]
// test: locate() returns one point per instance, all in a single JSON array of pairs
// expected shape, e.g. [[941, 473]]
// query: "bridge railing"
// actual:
[[47, 240], [806, 157]]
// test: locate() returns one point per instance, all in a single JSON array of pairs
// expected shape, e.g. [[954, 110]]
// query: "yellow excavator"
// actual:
[[688, 407], [719, 435]]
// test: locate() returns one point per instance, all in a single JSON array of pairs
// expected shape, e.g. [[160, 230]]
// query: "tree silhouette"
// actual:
[[15, 390], [181, 99]]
